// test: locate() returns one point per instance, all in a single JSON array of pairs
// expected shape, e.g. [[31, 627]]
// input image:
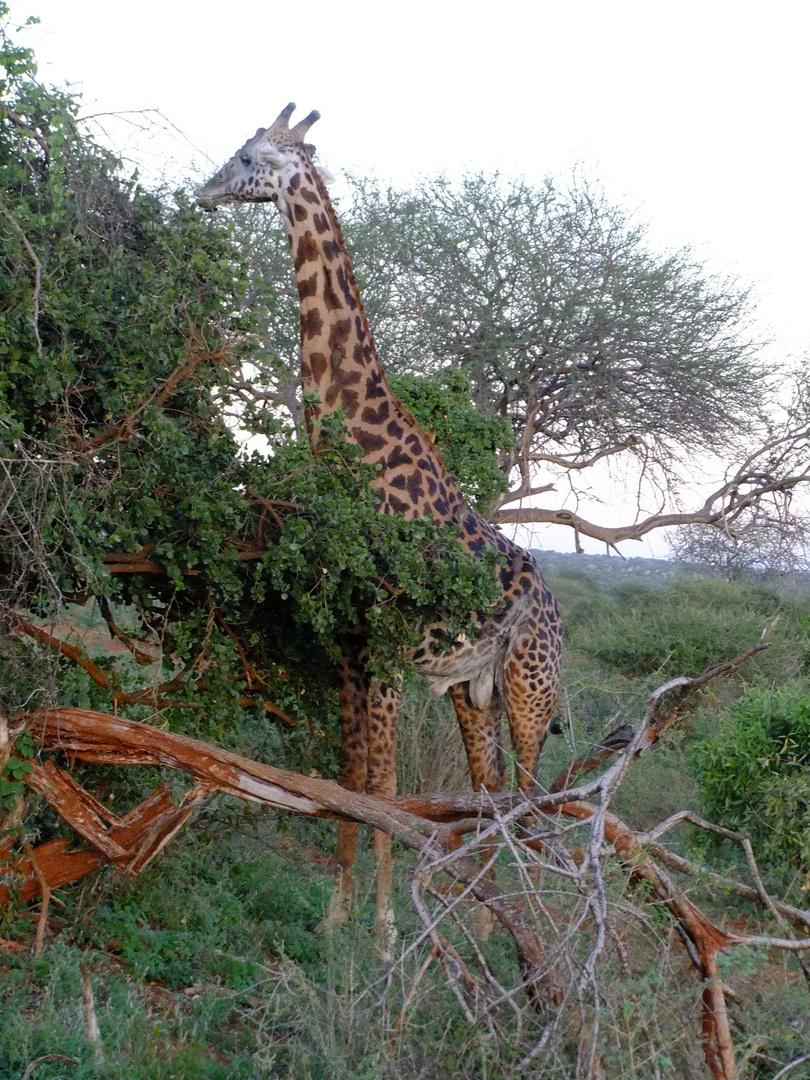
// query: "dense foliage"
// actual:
[[754, 774]]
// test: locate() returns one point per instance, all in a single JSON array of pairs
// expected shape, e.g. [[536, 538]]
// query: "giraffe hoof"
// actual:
[[337, 912], [483, 923]]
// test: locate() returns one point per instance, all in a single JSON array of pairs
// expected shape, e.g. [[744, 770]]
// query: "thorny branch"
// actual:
[[123, 428]]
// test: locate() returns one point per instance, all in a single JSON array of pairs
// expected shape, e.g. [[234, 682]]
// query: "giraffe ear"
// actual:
[[325, 175], [270, 155]]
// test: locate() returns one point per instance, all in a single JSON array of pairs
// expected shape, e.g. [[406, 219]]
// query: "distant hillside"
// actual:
[[609, 571]]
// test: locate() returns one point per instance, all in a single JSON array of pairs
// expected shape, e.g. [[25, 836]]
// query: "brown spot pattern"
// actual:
[[311, 323], [307, 251], [330, 297]]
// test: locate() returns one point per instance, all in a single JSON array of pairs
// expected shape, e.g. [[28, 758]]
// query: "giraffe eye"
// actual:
[[245, 159]]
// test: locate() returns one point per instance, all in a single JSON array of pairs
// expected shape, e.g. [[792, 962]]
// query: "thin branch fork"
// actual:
[[123, 428], [116, 632], [150, 695], [578, 463]]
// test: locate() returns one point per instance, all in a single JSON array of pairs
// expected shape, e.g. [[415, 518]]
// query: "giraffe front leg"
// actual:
[[382, 780], [353, 694], [340, 902]]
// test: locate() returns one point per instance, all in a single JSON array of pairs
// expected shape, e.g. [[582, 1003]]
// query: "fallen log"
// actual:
[[139, 837], [86, 735]]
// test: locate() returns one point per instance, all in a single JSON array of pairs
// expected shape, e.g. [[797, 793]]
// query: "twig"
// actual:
[[538, 1048], [29, 1072], [117, 632], [791, 1065], [32, 131], [5, 742], [798, 917], [90, 1018], [413, 988], [430, 924], [45, 891]]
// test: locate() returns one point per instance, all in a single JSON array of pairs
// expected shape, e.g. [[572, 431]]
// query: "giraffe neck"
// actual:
[[339, 361]]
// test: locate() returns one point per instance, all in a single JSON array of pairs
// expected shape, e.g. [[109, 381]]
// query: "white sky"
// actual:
[[695, 114]]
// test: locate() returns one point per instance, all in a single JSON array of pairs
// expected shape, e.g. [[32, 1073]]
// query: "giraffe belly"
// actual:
[[482, 673], [480, 663]]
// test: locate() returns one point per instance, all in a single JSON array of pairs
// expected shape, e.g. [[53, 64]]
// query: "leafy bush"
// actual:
[[754, 772], [121, 352]]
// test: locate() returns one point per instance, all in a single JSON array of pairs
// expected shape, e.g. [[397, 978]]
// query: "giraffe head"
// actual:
[[260, 171]]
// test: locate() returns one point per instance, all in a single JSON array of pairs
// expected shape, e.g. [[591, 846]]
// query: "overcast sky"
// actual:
[[693, 114]]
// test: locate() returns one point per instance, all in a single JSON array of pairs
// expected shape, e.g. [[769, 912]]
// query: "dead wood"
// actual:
[[29, 1072], [532, 828], [72, 652], [140, 835], [102, 738]]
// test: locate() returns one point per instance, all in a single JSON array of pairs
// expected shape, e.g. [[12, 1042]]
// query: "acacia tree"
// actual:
[[761, 546], [569, 327]]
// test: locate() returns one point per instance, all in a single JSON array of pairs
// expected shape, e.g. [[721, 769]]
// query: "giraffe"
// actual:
[[514, 662]]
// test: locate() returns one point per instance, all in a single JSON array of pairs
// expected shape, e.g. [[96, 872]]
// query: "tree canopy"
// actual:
[[568, 326]]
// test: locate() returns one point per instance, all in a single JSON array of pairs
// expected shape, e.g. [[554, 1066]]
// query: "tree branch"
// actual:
[[123, 428]]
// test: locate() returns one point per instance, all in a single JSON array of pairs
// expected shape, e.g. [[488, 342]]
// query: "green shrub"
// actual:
[[754, 772], [693, 625]]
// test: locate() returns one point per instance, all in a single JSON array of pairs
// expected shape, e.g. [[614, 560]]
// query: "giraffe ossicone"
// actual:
[[513, 664]]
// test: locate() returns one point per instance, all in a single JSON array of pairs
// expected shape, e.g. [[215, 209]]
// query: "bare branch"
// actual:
[[778, 466], [577, 462], [29, 248]]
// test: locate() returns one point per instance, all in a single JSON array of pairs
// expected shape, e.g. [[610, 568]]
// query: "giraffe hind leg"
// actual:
[[480, 731], [531, 689]]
